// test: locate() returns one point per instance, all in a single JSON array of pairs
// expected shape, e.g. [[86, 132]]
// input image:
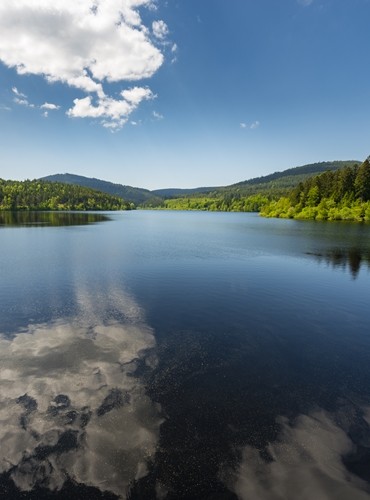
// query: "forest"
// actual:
[[340, 195], [41, 195], [335, 194]]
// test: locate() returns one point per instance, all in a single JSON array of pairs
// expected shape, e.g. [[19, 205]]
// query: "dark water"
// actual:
[[185, 355]]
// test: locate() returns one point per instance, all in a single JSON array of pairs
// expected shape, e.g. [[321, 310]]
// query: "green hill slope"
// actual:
[[333, 195], [134, 195], [42, 195], [251, 194]]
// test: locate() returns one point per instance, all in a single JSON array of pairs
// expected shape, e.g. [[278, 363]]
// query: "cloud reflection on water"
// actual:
[[72, 405], [305, 462]]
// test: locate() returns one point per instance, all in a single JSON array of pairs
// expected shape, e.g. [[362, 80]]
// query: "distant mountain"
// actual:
[[275, 185], [134, 195]]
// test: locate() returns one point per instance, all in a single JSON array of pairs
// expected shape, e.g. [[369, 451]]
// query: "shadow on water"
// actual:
[[352, 259], [47, 219]]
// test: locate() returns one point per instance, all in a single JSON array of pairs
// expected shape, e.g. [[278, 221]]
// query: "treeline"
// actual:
[[251, 195], [340, 195], [227, 203], [41, 195]]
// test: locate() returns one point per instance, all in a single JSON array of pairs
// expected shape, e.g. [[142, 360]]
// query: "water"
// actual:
[[184, 355]]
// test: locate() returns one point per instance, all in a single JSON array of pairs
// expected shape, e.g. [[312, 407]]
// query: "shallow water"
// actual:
[[184, 355]]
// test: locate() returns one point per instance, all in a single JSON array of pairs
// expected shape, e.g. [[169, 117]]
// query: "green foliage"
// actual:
[[221, 203], [334, 195], [41, 195]]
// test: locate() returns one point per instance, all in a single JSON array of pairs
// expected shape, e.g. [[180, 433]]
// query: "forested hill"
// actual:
[[134, 195], [340, 195], [280, 183], [42, 195], [305, 170], [251, 195], [272, 185]]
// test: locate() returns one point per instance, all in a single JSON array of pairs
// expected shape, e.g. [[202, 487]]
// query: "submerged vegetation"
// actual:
[[41, 195]]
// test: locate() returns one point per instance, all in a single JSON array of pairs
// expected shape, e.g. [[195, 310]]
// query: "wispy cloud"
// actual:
[[251, 126], [86, 45], [17, 93], [157, 115], [22, 100], [305, 3]]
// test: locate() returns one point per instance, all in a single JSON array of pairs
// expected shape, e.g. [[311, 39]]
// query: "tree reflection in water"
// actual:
[[50, 218], [345, 258]]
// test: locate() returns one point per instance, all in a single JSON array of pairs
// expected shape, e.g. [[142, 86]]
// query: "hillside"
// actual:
[[279, 183], [42, 195], [252, 194], [232, 197], [333, 195], [134, 195]]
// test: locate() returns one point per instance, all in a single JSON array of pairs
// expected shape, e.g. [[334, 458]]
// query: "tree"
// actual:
[[362, 181]]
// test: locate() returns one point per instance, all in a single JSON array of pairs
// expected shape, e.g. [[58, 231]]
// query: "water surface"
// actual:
[[185, 355]]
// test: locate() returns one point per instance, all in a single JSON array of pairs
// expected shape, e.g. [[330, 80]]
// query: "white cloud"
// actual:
[[23, 102], [49, 106], [157, 115], [21, 98], [251, 126], [136, 94], [114, 113], [255, 125], [160, 29], [17, 93], [174, 50], [82, 43]]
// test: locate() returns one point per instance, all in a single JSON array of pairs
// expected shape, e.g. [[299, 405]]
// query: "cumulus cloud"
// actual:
[[305, 462], [83, 44], [70, 405], [49, 106], [243, 125], [113, 112], [160, 29]]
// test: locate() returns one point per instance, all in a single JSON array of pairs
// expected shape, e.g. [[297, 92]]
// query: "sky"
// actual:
[[181, 93]]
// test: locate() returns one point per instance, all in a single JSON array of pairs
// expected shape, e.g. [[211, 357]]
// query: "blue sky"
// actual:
[[181, 93]]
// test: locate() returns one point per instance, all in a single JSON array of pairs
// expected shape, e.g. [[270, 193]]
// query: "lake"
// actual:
[[169, 355]]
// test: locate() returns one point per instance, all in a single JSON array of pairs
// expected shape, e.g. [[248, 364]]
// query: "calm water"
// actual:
[[187, 355]]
